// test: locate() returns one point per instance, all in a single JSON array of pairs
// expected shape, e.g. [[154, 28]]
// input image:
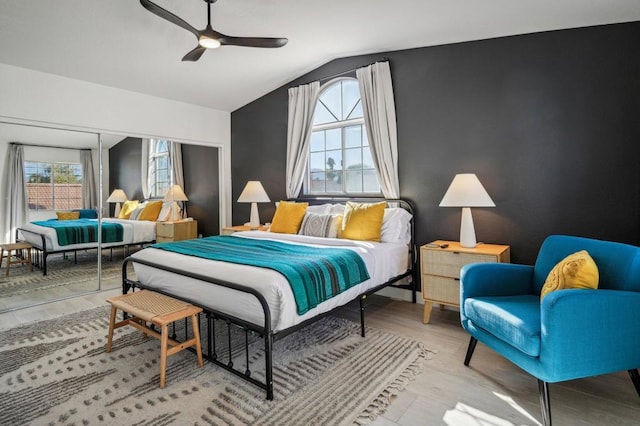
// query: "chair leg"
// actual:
[[635, 378], [545, 403], [470, 349]]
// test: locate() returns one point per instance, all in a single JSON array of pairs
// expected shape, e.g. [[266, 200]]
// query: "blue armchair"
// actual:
[[571, 334]]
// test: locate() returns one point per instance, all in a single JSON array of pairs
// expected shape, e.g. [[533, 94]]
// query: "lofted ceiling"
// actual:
[[118, 43]]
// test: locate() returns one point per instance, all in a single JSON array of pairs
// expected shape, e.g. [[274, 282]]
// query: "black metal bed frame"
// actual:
[[42, 252], [265, 332]]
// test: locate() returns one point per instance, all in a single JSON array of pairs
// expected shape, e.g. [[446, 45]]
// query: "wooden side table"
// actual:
[[19, 255], [440, 269], [160, 310], [176, 231]]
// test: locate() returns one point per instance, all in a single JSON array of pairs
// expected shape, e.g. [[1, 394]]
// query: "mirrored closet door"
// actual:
[[58, 166]]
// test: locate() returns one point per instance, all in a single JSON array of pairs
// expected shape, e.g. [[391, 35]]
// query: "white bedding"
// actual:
[[383, 261], [134, 232]]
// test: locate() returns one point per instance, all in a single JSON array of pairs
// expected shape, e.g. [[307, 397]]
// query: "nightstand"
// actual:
[[176, 231], [228, 230], [440, 269]]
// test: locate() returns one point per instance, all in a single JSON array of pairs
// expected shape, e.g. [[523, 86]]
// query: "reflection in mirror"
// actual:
[[58, 168]]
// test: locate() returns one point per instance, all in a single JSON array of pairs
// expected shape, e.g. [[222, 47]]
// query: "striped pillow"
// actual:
[[319, 225]]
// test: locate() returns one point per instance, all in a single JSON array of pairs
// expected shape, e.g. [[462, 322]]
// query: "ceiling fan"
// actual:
[[209, 38]]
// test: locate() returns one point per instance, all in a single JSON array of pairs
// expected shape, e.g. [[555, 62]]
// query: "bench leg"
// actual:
[[112, 321], [164, 342], [196, 335]]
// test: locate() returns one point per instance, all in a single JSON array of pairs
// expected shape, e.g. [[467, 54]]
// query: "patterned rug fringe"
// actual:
[[379, 405]]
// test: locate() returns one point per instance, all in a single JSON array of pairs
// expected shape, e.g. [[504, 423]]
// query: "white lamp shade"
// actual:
[[117, 196], [466, 191], [253, 192], [175, 193]]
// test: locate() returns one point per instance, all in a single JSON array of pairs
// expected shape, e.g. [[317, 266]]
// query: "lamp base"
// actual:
[[254, 220], [467, 231], [116, 212]]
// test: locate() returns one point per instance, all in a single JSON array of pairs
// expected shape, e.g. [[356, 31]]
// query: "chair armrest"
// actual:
[[590, 332], [494, 279]]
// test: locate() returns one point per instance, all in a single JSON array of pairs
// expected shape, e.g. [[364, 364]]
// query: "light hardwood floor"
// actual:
[[491, 391]]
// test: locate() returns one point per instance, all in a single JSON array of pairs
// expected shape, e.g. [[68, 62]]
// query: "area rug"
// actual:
[[57, 372], [61, 271]]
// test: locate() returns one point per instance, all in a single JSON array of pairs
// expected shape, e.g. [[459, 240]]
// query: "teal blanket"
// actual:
[[80, 231], [314, 274]]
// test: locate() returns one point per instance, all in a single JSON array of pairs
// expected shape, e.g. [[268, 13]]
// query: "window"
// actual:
[[53, 186], [160, 173], [339, 156]]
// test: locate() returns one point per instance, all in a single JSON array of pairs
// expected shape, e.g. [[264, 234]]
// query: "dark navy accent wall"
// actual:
[[550, 123], [201, 179]]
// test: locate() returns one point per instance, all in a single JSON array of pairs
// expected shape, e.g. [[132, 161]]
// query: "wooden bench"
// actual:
[[19, 249], [160, 310]]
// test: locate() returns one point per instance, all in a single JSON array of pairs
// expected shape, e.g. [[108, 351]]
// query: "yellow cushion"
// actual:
[[362, 221], [68, 215], [288, 217], [127, 208], [577, 270], [151, 211]]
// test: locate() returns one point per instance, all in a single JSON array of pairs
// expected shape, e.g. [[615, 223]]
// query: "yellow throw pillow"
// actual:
[[577, 270], [151, 211], [288, 217], [362, 221], [127, 208], [68, 215]]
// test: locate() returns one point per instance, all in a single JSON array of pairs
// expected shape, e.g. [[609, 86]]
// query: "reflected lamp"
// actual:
[[117, 196], [174, 194]]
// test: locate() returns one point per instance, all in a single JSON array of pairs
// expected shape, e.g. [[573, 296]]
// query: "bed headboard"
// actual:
[[404, 204]]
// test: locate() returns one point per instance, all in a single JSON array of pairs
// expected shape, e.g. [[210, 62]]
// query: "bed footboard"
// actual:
[[210, 348]]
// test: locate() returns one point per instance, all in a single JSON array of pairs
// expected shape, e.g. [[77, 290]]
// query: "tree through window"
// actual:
[[160, 174], [339, 156]]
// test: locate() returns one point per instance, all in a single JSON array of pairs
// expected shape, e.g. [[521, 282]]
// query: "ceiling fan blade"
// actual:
[[252, 41], [165, 14], [195, 54]]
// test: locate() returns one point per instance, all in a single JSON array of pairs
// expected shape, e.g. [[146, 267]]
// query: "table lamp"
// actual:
[[175, 193], [466, 191], [254, 193], [117, 196]]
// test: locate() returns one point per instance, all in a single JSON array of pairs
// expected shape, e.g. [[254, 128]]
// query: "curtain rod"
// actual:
[[341, 73], [50, 146]]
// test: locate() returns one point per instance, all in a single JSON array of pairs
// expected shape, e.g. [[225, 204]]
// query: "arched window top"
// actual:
[[339, 100], [339, 155], [160, 146]]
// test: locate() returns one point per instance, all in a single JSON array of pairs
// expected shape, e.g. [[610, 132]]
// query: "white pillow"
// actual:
[[319, 225], [136, 212], [165, 212], [396, 226], [319, 209]]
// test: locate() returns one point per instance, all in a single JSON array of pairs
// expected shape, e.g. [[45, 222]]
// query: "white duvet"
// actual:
[[383, 261], [134, 232]]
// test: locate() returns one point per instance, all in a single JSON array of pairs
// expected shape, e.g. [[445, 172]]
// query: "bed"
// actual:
[[46, 241], [260, 300]]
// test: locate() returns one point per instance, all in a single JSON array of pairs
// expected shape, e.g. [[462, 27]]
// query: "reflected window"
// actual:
[[160, 172], [339, 156], [53, 186]]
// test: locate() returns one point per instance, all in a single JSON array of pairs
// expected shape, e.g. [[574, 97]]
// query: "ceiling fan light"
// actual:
[[209, 43]]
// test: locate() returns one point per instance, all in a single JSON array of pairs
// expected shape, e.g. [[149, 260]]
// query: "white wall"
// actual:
[[46, 99]]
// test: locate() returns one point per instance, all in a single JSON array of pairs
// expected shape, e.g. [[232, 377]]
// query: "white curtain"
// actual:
[[144, 168], [16, 209], [302, 103], [378, 106], [175, 159], [89, 199]]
